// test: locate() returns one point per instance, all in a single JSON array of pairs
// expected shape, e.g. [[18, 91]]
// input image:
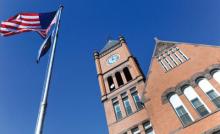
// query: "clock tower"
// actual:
[[121, 83]]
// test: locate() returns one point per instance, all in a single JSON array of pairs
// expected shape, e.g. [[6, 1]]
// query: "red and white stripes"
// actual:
[[23, 22]]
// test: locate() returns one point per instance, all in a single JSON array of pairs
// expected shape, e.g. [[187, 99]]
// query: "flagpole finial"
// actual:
[[61, 6]]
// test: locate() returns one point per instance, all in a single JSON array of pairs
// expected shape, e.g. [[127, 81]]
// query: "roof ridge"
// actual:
[[187, 43]]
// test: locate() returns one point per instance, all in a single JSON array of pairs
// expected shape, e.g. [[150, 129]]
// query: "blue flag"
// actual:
[[44, 48]]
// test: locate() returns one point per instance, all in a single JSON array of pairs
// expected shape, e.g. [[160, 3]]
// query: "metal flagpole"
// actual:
[[43, 105]]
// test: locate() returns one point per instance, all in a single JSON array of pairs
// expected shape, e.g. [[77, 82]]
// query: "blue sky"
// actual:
[[74, 101]]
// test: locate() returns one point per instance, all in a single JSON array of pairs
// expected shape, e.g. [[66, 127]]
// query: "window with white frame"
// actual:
[[127, 105], [183, 56], [214, 97], [216, 75], [209, 90], [181, 110], [171, 58], [117, 110], [135, 131], [196, 101], [200, 108], [148, 128], [136, 98]]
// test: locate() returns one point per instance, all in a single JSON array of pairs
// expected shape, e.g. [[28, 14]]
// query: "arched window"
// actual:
[[195, 100], [180, 109], [119, 79], [111, 83], [209, 90], [216, 75], [127, 74]]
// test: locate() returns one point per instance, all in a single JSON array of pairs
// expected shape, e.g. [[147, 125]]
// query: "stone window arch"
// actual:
[[198, 79], [166, 94], [215, 73], [170, 94]]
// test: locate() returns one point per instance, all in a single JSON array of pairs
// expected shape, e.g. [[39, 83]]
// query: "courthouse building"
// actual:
[[180, 94]]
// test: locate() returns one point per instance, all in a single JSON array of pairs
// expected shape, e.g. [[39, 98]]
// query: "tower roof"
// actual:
[[110, 44]]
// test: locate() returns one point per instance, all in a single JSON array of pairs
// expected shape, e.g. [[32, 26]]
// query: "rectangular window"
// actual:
[[168, 62], [137, 101], [184, 116], [117, 110], [162, 64], [123, 95], [214, 97], [148, 128], [173, 60], [183, 55], [176, 55], [135, 131], [114, 100], [127, 106], [200, 108], [133, 90]]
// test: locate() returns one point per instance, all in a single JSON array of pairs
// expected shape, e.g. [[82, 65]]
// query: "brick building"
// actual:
[[180, 94]]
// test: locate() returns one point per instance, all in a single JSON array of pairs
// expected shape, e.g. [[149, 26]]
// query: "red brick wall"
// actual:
[[163, 116]]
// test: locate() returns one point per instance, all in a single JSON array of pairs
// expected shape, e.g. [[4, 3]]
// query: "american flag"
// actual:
[[26, 22]]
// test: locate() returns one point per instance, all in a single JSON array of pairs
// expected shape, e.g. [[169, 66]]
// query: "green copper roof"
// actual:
[[109, 44]]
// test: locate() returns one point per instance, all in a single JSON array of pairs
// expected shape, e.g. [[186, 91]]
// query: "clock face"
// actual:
[[112, 59]]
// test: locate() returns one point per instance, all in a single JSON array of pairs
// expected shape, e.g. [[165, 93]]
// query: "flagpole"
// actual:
[[43, 105]]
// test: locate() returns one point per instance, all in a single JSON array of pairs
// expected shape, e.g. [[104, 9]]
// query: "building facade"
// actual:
[[180, 94]]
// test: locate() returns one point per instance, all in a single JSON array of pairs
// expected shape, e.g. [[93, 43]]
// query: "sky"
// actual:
[[74, 105]]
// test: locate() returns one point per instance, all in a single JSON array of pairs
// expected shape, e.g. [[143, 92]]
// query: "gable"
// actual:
[[198, 58]]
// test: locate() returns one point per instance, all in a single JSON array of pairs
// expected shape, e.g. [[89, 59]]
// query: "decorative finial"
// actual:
[[96, 54], [156, 39], [121, 39], [62, 7]]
